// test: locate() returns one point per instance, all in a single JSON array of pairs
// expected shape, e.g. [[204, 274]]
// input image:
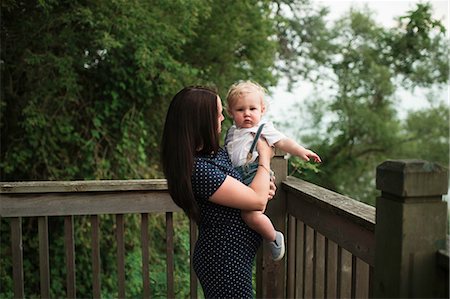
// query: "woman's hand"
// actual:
[[265, 155], [265, 152], [273, 187]]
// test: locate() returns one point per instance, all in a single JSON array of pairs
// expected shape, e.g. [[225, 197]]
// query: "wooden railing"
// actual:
[[91, 198], [331, 243], [334, 248]]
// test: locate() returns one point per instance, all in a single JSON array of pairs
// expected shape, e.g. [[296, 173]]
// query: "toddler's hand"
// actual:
[[308, 154]]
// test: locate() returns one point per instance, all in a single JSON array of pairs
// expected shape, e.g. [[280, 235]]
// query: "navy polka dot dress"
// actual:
[[226, 246]]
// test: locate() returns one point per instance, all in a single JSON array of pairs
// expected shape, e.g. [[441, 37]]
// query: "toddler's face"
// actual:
[[247, 110]]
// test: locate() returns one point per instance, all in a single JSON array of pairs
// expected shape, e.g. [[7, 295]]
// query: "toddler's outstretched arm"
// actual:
[[290, 146]]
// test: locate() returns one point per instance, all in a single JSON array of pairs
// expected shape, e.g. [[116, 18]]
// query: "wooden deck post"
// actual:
[[411, 226], [271, 276]]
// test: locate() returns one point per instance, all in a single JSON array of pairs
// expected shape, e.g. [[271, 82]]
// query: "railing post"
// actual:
[[411, 226], [271, 276]]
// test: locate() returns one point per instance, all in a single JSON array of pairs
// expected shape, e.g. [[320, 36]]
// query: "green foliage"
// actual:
[[234, 44], [85, 87], [86, 84], [426, 134], [302, 39], [355, 126], [298, 166]]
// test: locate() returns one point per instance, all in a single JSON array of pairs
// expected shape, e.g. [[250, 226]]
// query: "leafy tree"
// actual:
[[426, 133], [85, 87], [366, 64]]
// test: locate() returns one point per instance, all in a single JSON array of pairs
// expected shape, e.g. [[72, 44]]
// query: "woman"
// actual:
[[203, 183]]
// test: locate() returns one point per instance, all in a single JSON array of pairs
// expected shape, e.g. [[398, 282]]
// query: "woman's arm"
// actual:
[[233, 193]]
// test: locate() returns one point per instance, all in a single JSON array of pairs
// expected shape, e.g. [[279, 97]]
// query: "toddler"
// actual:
[[246, 106]]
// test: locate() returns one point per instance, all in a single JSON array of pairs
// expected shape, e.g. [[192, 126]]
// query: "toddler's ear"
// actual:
[[263, 109], [229, 112]]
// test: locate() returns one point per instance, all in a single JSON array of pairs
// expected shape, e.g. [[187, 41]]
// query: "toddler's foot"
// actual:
[[277, 247]]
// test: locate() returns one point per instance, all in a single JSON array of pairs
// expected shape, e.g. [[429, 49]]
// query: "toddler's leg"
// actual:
[[260, 223]]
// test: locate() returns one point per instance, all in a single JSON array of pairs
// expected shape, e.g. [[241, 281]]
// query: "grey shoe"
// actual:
[[277, 247]]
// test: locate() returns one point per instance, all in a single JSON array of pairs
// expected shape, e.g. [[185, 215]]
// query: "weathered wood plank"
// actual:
[[120, 237], [357, 212], [339, 272], [69, 244], [319, 265], [96, 279], [17, 257], [145, 256], [193, 276], [170, 255], [44, 264], [82, 186], [86, 203], [331, 264], [308, 275], [362, 278], [291, 254], [300, 259], [353, 236], [346, 274]]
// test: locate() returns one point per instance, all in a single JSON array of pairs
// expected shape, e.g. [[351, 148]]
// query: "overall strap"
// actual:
[[255, 140], [227, 138]]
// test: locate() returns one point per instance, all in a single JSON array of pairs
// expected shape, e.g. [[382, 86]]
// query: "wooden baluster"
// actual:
[[291, 257], [44, 267], [331, 269], [145, 256], [170, 253], [69, 244], [17, 256], [346, 274], [319, 265], [120, 255], [361, 279], [300, 259], [96, 280], [309, 255]]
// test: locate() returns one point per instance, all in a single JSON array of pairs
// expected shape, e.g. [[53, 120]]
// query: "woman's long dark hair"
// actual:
[[191, 128]]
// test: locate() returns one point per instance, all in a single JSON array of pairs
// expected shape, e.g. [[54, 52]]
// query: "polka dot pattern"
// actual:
[[226, 246]]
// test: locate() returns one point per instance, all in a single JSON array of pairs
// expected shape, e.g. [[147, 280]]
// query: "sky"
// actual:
[[281, 102]]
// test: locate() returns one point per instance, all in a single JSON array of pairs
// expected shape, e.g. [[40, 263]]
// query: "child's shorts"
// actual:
[[248, 172]]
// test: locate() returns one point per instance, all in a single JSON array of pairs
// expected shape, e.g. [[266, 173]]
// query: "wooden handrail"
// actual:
[[82, 186], [56, 198], [59, 198]]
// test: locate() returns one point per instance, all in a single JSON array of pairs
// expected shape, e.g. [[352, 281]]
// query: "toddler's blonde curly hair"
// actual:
[[243, 87]]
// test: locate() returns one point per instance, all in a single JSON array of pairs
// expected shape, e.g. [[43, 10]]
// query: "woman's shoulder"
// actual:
[[210, 168], [219, 158], [218, 164]]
